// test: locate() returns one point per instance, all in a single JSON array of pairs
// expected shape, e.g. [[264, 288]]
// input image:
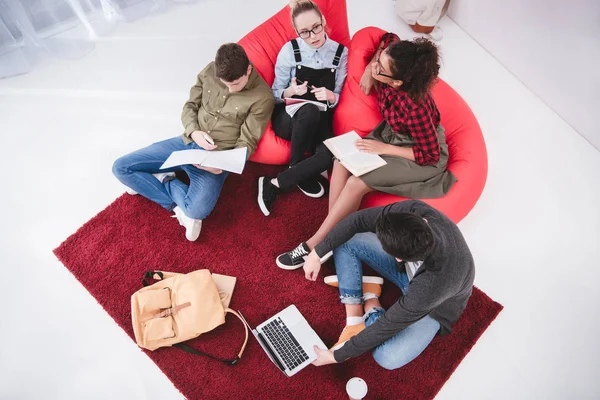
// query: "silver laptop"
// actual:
[[288, 340]]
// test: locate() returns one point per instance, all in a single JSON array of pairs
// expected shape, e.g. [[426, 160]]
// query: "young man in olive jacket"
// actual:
[[229, 108]]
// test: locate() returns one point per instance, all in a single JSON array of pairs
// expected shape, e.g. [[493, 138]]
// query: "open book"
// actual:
[[227, 160], [358, 163], [293, 105]]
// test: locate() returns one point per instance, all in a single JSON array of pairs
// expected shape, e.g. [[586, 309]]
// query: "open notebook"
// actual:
[[292, 105], [358, 163], [227, 160]]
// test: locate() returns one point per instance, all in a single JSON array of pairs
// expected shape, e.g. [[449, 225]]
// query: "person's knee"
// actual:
[[388, 360], [356, 185], [199, 207], [120, 167], [356, 240], [197, 210], [359, 244]]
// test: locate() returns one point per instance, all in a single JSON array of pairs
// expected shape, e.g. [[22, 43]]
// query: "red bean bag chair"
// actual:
[[468, 155], [262, 46]]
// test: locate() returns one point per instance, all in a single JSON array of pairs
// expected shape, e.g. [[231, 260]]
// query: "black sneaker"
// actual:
[[312, 188], [267, 193], [294, 259]]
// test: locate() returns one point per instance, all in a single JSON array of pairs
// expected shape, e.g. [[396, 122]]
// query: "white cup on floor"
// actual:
[[356, 388]]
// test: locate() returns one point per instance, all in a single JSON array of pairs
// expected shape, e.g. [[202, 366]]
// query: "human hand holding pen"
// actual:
[[203, 140], [295, 88]]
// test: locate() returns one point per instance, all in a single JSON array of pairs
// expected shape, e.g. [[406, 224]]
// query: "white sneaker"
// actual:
[[130, 191], [436, 34], [161, 176], [192, 226]]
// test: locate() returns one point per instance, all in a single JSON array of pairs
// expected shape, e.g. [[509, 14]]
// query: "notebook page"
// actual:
[[184, 157], [361, 160], [227, 160], [345, 144]]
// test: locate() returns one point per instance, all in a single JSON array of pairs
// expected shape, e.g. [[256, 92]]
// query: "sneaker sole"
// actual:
[[261, 203], [314, 195], [366, 279], [287, 267]]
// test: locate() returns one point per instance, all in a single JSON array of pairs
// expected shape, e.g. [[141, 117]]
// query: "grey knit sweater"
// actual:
[[440, 288]]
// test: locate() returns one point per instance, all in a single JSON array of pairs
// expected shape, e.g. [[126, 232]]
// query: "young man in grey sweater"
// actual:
[[418, 249]]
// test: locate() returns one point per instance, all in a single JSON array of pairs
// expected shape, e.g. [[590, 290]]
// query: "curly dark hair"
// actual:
[[231, 62], [416, 64]]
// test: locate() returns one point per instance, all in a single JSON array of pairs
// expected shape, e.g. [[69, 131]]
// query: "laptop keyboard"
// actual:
[[285, 344]]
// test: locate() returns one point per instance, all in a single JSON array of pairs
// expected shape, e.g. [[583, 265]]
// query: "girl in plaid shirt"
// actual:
[[410, 139]]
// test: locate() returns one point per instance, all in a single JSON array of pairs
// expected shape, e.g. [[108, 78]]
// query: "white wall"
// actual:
[[552, 46]]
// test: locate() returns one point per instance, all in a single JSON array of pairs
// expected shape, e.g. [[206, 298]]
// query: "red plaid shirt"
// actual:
[[404, 116]]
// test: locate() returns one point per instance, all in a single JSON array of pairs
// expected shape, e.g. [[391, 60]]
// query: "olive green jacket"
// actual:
[[233, 120]]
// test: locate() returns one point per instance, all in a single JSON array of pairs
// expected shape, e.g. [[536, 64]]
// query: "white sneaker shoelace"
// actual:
[[298, 252]]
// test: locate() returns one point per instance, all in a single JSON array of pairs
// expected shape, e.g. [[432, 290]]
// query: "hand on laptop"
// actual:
[[312, 266], [324, 357]]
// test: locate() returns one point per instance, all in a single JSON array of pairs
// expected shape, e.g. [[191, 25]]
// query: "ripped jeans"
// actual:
[[407, 344], [364, 247]]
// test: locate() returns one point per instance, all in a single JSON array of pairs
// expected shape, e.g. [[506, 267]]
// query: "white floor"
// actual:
[[534, 233]]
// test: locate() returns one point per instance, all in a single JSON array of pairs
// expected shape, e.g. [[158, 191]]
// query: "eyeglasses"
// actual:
[[314, 31], [378, 67]]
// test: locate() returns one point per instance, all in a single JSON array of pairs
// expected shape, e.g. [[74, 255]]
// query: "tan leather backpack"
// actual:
[[177, 308]]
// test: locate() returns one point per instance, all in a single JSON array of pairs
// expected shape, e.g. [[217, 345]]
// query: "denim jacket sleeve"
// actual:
[[284, 71]]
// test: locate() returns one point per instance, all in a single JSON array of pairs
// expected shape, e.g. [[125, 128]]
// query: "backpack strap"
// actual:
[[233, 361], [297, 55], [338, 55], [157, 276]]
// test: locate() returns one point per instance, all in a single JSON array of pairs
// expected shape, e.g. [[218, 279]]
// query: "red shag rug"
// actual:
[[111, 252]]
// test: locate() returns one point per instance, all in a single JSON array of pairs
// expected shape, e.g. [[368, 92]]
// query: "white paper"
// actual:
[[293, 105], [227, 160], [358, 162], [184, 157], [361, 159], [346, 144]]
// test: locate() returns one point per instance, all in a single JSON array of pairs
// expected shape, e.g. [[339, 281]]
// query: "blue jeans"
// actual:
[[406, 345], [197, 200]]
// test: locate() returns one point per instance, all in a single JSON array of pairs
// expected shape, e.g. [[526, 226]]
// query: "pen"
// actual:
[[299, 82], [209, 139]]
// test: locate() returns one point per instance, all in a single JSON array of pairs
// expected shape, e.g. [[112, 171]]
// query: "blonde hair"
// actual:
[[300, 6]]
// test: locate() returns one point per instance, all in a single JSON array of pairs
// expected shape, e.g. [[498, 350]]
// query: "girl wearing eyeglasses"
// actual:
[[410, 139], [311, 67]]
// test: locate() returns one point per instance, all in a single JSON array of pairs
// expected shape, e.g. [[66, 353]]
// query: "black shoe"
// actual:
[[267, 193], [293, 259], [312, 188]]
